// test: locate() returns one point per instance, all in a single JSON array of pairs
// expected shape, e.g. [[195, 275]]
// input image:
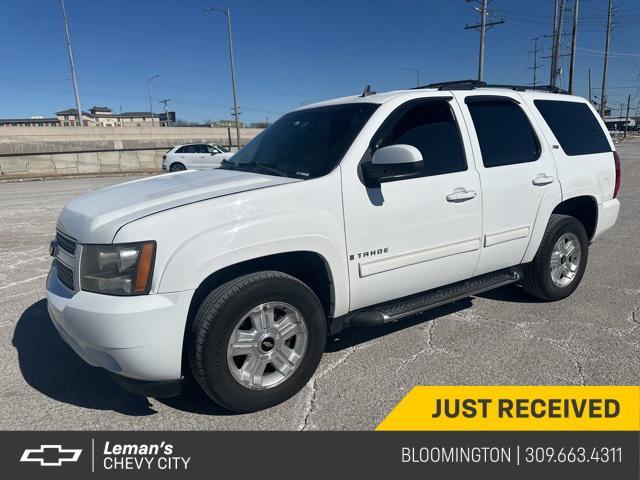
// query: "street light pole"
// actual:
[[72, 63], [227, 12], [417, 70], [150, 102]]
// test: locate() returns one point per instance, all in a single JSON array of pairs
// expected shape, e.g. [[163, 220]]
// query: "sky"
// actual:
[[288, 53]]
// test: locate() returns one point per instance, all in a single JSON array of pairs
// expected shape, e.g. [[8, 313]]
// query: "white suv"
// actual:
[[356, 211], [194, 156]]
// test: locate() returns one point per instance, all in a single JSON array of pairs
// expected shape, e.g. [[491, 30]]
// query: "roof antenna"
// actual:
[[367, 91]]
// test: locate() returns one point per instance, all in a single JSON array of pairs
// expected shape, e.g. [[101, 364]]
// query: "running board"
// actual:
[[404, 307]]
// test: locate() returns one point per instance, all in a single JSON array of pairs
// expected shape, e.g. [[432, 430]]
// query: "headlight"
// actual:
[[120, 269]]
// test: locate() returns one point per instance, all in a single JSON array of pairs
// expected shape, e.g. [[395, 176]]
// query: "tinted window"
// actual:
[[188, 149], [210, 149], [575, 127], [430, 127], [306, 143], [182, 150], [504, 132]]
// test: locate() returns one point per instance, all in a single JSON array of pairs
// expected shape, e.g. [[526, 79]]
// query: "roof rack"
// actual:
[[473, 84]]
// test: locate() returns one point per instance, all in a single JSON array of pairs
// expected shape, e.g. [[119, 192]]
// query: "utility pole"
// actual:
[[166, 111], [557, 34], [227, 12], [150, 102], [626, 123], [535, 61], [552, 68], [483, 26], [417, 70], [72, 64], [574, 36], [590, 94], [603, 93]]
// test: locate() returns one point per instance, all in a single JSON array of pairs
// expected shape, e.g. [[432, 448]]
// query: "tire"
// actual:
[[177, 167], [231, 308], [538, 279]]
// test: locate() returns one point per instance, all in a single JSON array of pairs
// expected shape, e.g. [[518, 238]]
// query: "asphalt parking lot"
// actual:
[[502, 337]]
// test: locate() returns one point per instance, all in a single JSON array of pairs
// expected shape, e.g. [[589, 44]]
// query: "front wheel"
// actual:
[[559, 264], [257, 340]]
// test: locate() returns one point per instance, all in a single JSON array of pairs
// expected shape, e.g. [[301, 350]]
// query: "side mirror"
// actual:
[[392, 163]]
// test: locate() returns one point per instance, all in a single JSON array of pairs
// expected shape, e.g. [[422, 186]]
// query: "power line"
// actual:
[[536, 66], [483, 26]]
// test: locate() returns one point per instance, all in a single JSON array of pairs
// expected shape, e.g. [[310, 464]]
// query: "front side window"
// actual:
[[575, 127], [428, 125], [505, 135], [211, 149], [306, 143]]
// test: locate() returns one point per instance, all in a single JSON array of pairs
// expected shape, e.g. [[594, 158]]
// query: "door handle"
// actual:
[[461, 195], [542, 179]]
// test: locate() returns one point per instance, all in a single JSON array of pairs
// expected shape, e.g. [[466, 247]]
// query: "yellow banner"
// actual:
[[517, 408]]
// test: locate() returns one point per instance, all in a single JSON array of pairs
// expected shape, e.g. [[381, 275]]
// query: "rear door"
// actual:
[[200, 158], [516, 170]]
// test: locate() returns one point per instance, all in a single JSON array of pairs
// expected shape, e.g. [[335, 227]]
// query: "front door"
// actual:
[[415, 234], [516, 169]]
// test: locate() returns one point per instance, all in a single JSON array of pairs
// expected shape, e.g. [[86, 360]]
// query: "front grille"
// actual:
[[66, 243], [65, 275]]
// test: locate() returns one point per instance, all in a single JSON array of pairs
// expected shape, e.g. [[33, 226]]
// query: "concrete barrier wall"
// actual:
[[50, 151]]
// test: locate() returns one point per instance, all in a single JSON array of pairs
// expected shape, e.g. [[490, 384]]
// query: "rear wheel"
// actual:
[[559, 264], [177, 167], [257, 340]]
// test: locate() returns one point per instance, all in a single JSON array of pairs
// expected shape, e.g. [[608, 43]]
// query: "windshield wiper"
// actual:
[[271, 170], [254, 167]]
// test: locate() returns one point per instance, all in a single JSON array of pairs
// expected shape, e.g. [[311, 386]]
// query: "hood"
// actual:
[[97, 216]]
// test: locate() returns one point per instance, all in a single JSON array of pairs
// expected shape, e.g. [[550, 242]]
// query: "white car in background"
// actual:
[[194, 156]]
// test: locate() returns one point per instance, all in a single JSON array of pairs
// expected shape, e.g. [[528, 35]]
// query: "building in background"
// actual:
[[105, 117], [37, 121], [95, 117]]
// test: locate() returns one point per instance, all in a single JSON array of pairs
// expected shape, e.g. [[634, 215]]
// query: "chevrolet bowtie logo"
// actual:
[[50, 455]]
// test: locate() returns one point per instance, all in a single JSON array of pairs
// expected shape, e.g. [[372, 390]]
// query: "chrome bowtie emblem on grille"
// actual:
[[53, 248], [50, 455]]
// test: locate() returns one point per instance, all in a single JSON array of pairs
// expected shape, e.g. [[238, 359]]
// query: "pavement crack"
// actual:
[[428, 330], [310, 401], [634, 317]]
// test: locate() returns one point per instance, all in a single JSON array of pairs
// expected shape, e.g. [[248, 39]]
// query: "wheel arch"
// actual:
[[177, 162], [584, 208], [309, 267]]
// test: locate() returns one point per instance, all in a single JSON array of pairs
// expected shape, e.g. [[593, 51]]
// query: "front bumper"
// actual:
[[607, 216], [139, 338]]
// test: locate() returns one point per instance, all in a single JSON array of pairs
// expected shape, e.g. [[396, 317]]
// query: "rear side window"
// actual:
[[182, 150], [504, 132], [575, 127], [430, 127]]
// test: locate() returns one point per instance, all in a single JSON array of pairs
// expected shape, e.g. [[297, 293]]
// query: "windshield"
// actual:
[[303, 144]]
